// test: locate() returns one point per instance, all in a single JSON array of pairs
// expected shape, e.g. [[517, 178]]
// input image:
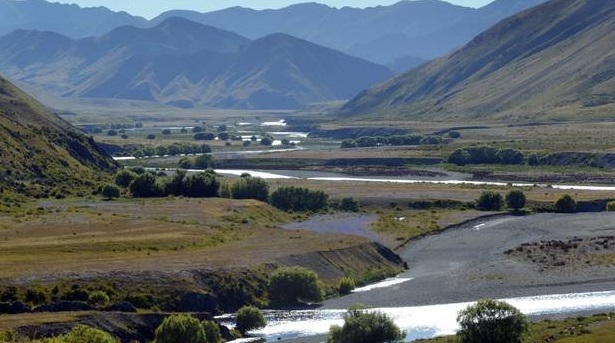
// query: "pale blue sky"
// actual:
[[151, 8]]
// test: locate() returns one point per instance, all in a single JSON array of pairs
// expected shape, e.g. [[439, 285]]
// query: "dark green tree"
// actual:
[[492, 321], [212, 331], [145, 186], [180, 328], [460, 157], [294, 285], [490, 201], [201, 185], [298, 199], [249, 318], [515, 199], [110, 192], [83, 333], [123, 178], [365, 327], [566, 204]]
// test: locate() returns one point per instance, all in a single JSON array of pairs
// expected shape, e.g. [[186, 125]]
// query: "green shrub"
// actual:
[[346, 286], [490, 201], [98, 298], [298, 199], [212, 332], [492, 321], [294, 285], [180, 328], [250, 188], [365, 326], [566, 204], [82, 333], [610, 206], [249, 318], [349, 205], [145, 186]]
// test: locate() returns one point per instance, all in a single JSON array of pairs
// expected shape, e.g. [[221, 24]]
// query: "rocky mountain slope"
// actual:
[[554, 58]]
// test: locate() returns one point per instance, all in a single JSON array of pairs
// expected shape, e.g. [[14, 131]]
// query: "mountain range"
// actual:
[[555, 58], [183, 63], [409, 31], [40, 154]]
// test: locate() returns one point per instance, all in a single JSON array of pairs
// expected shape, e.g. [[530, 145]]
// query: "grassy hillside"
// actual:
[[40, 154], [553, 60]]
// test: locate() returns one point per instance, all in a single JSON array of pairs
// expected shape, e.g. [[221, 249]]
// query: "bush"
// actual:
[[110, 192], [249, 318], [490, 201], [565, 204], [98, 298], [82, 333], [123, 178], [180, 328], [294, 285], [298, 199], [349, 205], [454, 134], [460, 157], [201, 185], [250, 188], [515, 199], [492, 321], [202, 162], [610, 206], [212, 332], [346, 285], [363, 326]]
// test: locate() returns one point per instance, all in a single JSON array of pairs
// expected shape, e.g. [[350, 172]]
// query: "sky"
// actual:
[[151, 8]]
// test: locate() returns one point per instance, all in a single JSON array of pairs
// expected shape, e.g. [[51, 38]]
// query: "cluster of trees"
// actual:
[[292, 198], [148, 185], [174, 149], [293, 286], [516, 200], [369, 141], [485, 155], [198, 162]]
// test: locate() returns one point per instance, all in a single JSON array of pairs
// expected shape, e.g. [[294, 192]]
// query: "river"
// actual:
[[450, 270]]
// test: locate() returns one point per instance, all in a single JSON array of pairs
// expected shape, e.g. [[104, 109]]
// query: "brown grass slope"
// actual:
[[554, 59], [40, 154]]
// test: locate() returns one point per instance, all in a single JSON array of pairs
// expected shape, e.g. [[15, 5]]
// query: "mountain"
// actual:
[[425, 29], [183, 63], [68, 20], [40, 154], [555, 58]]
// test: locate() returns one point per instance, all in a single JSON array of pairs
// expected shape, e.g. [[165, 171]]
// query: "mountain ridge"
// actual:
[[521, 67]]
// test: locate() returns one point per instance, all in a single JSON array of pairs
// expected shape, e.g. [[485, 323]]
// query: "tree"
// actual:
[[348, 144], [98, 298], [176, 185], [110, 192], [185, 163], [250, 188], [83, 333], [365, 327], [166, 131], [180, 328], [222, 128], [294, 285], [212, 332], [223, 136], [112, 133], [566, 204], [202, 162], [144, 186], [490, 201], [515, 199], [350, 205], [510, 156], [151, 136], [266, 141], [491, 321], [201, 185], [460, 157], [123, 178], [249, 318], [610, 206]]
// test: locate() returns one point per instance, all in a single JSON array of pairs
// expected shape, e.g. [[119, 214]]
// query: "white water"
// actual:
[[428, 321]]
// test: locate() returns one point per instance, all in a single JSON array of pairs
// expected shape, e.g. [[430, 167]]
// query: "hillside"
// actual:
[[40, 154], [425, 29], [69, 20], [554, 59], [183, 63]]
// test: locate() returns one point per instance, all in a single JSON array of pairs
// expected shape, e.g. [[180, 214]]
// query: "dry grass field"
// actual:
[[154, 234]]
